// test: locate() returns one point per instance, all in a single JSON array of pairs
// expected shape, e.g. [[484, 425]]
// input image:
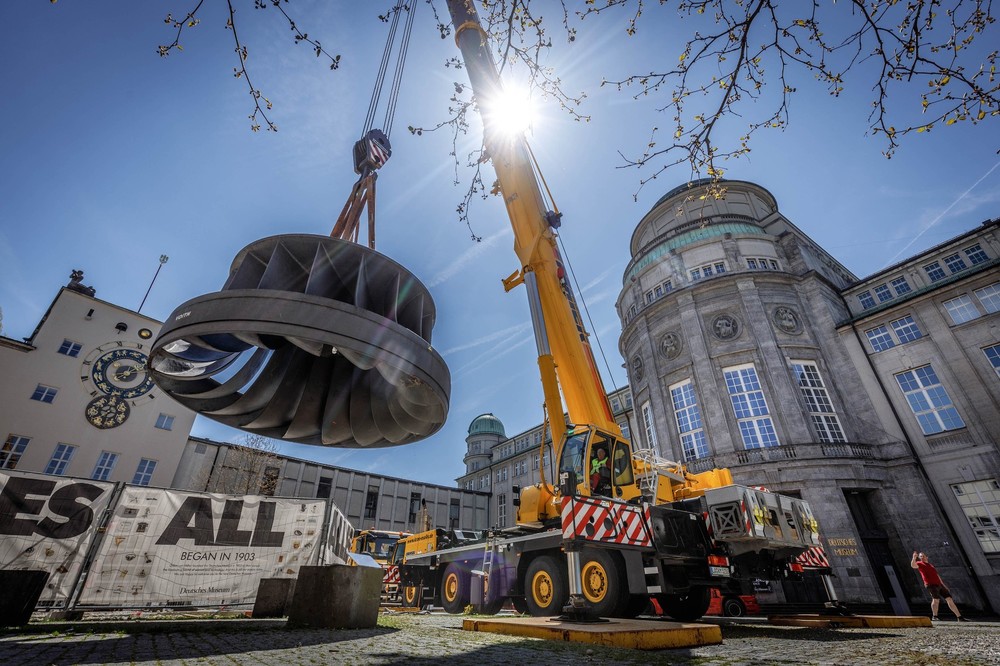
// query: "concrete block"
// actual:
[[274, 597], [19, 592], [336, 596]]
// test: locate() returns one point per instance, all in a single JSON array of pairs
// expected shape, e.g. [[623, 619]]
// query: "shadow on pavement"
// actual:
[[95, 644]]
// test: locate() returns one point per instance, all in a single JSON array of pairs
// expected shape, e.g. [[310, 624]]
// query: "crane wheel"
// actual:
[[454, 589], [686, 607], [313, 340], [412, 596], [546, 588], [733, 607], [605, 586]]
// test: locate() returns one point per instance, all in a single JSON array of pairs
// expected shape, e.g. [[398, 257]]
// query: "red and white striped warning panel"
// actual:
[[391, 576], [594, 519], [814, 558]]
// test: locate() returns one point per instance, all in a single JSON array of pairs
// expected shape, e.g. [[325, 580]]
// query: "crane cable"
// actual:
[[548, 193], [393, 92]]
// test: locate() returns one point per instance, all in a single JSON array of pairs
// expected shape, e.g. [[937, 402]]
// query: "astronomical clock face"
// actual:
[[107, 411], [117, 379]]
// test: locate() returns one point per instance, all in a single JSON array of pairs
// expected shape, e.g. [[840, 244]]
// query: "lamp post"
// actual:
[[163, 259]]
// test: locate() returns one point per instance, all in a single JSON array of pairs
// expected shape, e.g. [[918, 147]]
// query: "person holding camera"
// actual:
[[934, 585]]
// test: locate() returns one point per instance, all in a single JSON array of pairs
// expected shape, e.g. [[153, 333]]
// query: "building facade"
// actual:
[[749, 347], [368, 501], [76, 399], [501, 465]]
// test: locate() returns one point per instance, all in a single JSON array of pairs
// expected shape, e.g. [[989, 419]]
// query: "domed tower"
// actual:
[[729, 314], [485, 432]]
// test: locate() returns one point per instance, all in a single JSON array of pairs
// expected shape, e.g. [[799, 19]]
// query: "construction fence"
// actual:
[[118, 545]]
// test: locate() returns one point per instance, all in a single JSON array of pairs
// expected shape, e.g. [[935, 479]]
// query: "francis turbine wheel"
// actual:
[[313, 340], [547, 588]]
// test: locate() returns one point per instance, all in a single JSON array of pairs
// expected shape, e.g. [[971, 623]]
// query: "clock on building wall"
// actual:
[[116, 376]]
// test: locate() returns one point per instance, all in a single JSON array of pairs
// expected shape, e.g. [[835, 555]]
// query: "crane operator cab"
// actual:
[[598, 463]]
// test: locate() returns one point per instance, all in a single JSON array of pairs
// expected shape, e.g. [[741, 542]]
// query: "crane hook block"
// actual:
[[371, 152]]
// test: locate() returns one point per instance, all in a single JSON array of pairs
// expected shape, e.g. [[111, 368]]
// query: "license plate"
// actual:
[[719, 571]]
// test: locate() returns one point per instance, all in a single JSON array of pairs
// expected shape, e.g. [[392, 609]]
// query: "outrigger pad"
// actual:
[[313, 340]]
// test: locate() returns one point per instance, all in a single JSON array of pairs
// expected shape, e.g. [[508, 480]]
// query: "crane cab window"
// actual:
[[572, 455], [621, 464], [600, 466]]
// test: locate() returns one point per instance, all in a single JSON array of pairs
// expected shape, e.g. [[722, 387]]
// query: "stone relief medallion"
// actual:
[[787, 320], [637, 368], [726, 327], [670, 345]]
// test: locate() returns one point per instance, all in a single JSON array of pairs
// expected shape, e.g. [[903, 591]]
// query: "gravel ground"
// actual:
[[422, 639]]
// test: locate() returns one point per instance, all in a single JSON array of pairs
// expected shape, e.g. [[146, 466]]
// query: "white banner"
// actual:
[[180, 548], [46, 523]]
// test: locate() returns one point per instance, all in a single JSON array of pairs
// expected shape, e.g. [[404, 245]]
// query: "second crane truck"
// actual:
[[618, 526]]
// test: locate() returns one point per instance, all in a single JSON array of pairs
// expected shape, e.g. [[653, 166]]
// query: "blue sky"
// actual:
[[111, 156]]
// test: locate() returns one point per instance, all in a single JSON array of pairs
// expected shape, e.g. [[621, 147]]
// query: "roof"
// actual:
[[486, 424]]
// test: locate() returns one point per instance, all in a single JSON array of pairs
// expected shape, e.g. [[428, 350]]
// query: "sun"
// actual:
[[512, 112]]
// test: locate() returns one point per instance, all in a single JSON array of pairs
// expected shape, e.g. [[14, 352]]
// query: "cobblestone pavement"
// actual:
[[437, 639]]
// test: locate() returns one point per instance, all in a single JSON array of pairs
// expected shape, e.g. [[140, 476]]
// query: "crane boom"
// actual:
[[559, 329]]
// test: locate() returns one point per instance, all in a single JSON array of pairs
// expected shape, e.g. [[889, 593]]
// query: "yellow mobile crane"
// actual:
[[607, 535]]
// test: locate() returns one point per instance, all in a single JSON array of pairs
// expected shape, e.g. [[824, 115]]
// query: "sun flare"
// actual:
[[512, 112]]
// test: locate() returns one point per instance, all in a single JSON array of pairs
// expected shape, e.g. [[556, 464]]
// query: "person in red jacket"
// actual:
[[934, 585]]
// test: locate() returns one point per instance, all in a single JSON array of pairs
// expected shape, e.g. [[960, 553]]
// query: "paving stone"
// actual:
[[423, 640]]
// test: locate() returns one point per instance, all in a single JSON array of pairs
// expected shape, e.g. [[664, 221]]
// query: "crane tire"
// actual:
[[454, 588], [546, 588]]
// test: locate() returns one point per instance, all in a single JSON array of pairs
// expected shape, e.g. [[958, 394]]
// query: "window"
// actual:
[[821, 411], [955, 263], [993, 356], [269, 481], [502, 510], [649, 296], [866, 300], [44, 393], [534, 462], [70, 348], [980, 501], [934, 271], [989, 296], [750, 407], [454, 513], [668, 286], [60, 459], [976, 254], [12, 450], [165, 422], [324, 487], [414, 507], [647, 421], [929, 400], [144, 472], [625, 430], [105, 463], [371, 503], [906, 329], [688, 417], [752, 263], [695, 273], [900, 286], [883, 293], [773, 263], [879, 338], [961, 309]]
